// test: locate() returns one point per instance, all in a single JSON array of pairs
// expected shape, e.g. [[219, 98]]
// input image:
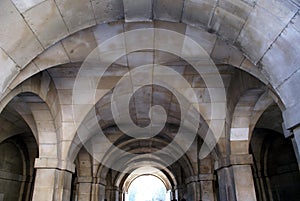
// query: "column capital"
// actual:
[[52, 163], [237, 159]]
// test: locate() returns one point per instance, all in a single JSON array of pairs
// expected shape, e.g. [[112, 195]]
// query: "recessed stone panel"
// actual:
[[239, 134]]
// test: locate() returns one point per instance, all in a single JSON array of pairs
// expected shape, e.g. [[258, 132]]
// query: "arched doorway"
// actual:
[[275, 170], [147, 188]]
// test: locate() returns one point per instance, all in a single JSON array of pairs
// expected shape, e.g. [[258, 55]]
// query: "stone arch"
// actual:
[[271, 153], [213, 19], [41, 111]]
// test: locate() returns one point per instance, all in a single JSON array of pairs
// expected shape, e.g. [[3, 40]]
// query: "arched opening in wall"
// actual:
[[276, 173], [147, 188], [17, 171], [18, 149]]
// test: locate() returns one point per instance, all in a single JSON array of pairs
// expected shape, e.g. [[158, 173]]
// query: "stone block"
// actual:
[[282, 59], [168, 10], [283, 10], [226, 24], [24, 46], [290, 95], [224, 53], [257, 35], [108, 10], [197, 12], [202, 37], [79, 45], [22, 5], [8, 70], [77, 14], [104, 32], [28, 71], [138, 10], [46, 22]]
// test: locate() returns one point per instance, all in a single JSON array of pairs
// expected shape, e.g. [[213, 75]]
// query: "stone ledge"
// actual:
[[52, 163], [244, 159], [12, 176], [85, 179], [200, 177]]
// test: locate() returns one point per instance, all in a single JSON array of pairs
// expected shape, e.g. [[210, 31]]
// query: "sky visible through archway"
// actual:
[[147, 188]]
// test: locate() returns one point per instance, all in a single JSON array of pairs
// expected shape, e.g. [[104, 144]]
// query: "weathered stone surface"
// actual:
[[46, 22], [25, 73], [104, 32], [191, 14], [108, 10], [53, 56], [79, 45], [24, 45], [22, 5], [257, 35], [282, 59], [77, 14], [226, 24], [245, 190], [289, 95], [138, 10], [225, 53], [8, 70], [202, 37], [168, 10]]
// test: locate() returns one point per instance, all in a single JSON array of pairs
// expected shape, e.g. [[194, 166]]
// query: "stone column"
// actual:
[[112, 193], [243, 183], [53, 180], [291, 128], [296, 143], [192, 188], [101, 192], [179, 191], [236, 179], [84, 188], [226, 184], [207, 187]]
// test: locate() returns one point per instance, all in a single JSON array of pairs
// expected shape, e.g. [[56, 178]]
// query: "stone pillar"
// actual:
[[291, 128], [101, 192], [179, 191], [243, 182], [296, 143], [84, 188], [53, 180], [226, 184], [236, 179], [207, 187], [112, 193], [192, 188], [174, 193]]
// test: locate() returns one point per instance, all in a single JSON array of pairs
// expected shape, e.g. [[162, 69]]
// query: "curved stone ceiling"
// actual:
[[266, 31]]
